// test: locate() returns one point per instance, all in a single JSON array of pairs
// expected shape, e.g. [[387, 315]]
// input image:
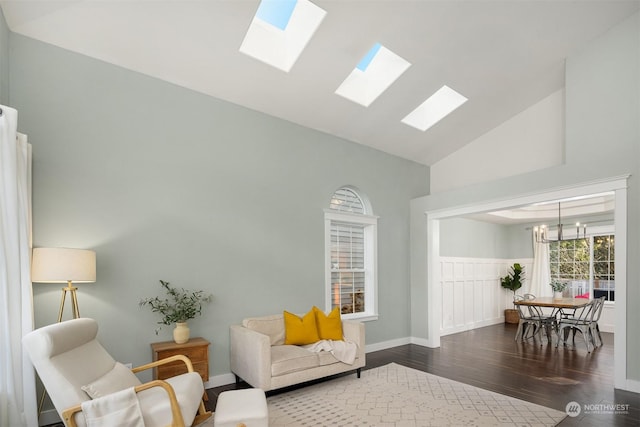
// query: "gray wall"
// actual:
[[4, 60], [165, 183], [461, 237], [520, 241], [602, 140]]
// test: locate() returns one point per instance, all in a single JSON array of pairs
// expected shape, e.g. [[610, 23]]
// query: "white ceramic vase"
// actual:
[[557, 295], [181, 333]]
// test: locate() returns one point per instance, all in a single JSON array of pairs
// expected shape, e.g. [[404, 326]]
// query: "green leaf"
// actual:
[[180, 305]]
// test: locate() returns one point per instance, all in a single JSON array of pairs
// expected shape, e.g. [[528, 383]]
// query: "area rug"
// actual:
[[396, 396]]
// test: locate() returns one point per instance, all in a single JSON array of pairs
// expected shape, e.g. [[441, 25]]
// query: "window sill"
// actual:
[[360, 317]]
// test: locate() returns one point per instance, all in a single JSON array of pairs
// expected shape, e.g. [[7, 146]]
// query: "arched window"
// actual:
[[347, 200], [351, 255]]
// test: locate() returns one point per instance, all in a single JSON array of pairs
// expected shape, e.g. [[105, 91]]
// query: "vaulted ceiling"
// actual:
[[502, 55]]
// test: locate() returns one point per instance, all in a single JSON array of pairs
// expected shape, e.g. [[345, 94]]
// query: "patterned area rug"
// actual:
[[396, 396]]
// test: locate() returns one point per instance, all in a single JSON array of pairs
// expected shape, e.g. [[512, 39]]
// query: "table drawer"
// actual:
[[195, 354], [171, 370]]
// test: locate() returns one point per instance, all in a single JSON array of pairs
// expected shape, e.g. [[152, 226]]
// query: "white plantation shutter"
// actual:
[[347, 271], [347, 245], [351, 254]]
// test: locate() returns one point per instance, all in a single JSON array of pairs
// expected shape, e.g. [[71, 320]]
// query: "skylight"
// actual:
[[280, 31], [435, 108], [377, 70]]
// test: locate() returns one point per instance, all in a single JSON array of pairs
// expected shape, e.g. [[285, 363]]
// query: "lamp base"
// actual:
[[74, 301]]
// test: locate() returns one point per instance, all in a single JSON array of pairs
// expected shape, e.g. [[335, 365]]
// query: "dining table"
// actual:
[[557, 304], [569, 303]]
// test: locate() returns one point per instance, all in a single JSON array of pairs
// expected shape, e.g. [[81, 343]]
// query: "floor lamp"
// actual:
[[61, 265]]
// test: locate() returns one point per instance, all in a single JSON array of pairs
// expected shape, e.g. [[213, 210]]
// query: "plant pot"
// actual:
[[511, 315], [181, 333], [557, 295]]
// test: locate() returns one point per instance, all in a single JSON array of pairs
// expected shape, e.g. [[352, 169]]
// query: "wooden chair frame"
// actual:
[[177, 419]]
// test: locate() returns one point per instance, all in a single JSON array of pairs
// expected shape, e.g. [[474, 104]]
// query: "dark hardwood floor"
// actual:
[[489, 358]]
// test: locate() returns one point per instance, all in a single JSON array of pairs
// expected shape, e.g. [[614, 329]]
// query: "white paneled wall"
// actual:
[[471, 293]]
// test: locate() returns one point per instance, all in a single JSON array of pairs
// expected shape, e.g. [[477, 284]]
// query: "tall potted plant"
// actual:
[[513, 282], [179, 306]]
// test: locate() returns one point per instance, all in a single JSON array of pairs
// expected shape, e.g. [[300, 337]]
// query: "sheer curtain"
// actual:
[[17, 377], [541, 273]]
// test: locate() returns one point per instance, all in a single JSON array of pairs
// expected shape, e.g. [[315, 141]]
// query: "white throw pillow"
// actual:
[[119, 378]]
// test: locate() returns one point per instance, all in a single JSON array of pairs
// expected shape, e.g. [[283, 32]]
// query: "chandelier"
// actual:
[[541, 232]]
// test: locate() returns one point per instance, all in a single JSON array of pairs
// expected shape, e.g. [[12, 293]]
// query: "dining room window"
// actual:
[[351, 255], [588, 265]]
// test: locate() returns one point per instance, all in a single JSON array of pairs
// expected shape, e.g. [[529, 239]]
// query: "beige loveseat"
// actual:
[[260, 357]]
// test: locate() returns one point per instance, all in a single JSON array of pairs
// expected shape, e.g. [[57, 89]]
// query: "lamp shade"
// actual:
[[61, 265]]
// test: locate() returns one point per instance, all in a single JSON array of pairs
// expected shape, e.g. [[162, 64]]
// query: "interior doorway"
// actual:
[[616, 185]]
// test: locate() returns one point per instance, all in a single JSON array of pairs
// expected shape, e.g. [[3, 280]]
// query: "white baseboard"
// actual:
[[471, 326], [386, 344], [423, 342], [632, 385], [50, 416]]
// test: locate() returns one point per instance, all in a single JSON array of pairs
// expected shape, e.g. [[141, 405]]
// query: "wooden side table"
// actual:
[[196, 349]]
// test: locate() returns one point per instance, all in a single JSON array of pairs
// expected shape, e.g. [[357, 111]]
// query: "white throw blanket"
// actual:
[[117, 409], [344, 351]]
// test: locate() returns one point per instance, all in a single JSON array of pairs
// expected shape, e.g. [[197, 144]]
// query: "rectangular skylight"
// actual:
[[377, 70], [435, 108], [280, 31]]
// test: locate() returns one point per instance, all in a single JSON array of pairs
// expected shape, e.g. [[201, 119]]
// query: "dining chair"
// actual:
[[526, 321], [581, 322], [546, 322], [595, 328]]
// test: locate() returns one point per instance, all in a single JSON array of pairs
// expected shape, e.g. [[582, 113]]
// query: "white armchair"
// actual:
[[77, 371]]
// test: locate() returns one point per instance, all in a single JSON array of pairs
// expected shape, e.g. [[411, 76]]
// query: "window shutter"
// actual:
[[348, 254]]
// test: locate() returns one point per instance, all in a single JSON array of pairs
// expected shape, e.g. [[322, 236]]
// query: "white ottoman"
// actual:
[[241, 407]]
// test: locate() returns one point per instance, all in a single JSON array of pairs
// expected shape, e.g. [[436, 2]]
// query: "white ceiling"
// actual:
[[502, 55], [571, 210]]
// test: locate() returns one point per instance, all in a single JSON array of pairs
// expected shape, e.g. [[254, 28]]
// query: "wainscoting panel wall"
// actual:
[[471, 293]]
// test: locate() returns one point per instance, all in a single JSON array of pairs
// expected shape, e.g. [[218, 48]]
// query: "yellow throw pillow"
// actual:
[[300, 331], [329, 327]]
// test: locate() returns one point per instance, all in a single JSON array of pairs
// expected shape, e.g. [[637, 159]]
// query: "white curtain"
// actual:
[[17, 377], [541, 272]]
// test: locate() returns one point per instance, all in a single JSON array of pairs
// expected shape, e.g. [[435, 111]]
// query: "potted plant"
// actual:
[[179, 306], [558, 288], [513, 282]]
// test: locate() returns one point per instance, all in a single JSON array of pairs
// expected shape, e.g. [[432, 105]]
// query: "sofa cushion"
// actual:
[[273, 326], [300, 330], [291, 358], [329, 326]]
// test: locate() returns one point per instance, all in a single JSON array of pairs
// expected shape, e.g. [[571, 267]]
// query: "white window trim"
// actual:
[[371, 262]]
